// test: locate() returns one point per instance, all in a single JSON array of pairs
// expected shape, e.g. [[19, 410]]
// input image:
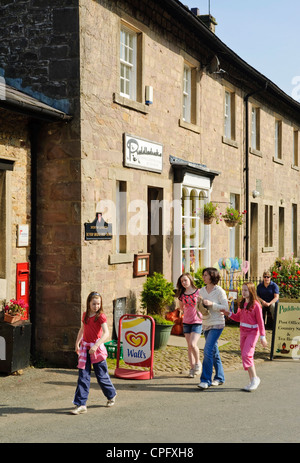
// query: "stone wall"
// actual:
[[39, 55], [14, 146]]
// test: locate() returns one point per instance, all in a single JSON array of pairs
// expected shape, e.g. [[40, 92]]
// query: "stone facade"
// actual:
[[67, 54], [15, 197]]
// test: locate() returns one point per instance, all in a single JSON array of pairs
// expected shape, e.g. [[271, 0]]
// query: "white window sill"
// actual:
[[230, 142], [278, 161], [189, 126], [123, 101], [267, 249], [255, 152]]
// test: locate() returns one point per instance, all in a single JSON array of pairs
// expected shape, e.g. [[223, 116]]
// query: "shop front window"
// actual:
[[194, 233]]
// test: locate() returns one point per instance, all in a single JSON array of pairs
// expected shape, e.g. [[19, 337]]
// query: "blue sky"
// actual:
[[264, 33]]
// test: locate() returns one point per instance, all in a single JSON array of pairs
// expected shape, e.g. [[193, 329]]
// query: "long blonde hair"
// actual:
[[252, 296]]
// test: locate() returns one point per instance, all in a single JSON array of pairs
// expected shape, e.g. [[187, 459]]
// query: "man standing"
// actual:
[[268, 295]]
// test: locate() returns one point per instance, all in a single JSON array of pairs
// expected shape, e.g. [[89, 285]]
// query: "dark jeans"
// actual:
[[84, 379]]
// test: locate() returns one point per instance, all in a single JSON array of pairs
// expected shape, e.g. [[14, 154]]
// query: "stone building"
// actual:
[[163, 114]]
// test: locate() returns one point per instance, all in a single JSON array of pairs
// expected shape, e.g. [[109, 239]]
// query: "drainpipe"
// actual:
[[34, 128], [246, 99]]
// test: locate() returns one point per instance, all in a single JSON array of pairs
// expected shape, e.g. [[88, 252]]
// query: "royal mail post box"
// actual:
[[15, 341], [23, 286]]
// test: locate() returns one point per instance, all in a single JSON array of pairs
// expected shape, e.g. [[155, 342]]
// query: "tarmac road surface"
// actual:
[[34, 408]]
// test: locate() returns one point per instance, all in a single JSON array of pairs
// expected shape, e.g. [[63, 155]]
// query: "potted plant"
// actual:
[[14, 310], [233, 217], [157, 295], [209, 213]]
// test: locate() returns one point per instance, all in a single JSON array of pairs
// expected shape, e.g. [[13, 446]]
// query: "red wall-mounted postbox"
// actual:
[[23, 286]]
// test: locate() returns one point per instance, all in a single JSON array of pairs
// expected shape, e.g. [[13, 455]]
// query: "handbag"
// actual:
[[200, 307]]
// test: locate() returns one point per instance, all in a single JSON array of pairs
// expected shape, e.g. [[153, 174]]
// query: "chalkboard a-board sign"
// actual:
[[286, 331], [119, 311], [98, 229]]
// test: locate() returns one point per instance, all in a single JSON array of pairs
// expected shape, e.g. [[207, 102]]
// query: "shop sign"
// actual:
[[142, 154], [98, 229], [286, 334]]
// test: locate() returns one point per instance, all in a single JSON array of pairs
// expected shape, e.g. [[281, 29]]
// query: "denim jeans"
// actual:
[[212, 357], [84, 379]]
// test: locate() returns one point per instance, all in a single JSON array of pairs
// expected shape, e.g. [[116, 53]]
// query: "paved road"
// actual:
[[34, 408]]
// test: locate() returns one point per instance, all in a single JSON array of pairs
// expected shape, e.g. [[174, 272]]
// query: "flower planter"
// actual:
[[8, 318], [161, 335], [230, 223], [208, 220]]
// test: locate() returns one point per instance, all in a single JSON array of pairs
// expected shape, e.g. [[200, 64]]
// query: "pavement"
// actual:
[[168, 409]]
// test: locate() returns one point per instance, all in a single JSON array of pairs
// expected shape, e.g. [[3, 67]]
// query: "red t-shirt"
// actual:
[[92, 329]]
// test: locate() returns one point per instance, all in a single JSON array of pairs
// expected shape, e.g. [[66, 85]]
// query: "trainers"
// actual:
[[191, 373], [216, 382], [197, 369], [254, 384], [111, 402], [203, 385], [79, 409], [246, 388]]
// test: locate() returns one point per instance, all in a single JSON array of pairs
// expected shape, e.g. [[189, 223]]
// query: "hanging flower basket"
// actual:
[[208, 220], [231, 223], [209, 213], [233, 217]]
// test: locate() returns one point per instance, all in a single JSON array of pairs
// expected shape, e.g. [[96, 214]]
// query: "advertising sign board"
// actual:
[[137, 336], [286, 333]]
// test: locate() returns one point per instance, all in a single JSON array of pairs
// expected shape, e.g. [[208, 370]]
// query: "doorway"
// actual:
[[155, 226], [254, 240], [281, 232]]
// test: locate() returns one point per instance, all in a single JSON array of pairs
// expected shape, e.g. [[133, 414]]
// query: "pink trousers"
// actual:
[[248, 340]]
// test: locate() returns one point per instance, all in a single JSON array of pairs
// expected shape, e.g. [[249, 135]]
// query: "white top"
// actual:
[[219, 299]]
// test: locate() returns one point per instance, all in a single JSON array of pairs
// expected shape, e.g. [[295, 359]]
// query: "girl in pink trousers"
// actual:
[[249, 315]]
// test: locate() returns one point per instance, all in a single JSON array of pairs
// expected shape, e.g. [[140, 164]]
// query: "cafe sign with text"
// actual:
[[140, 153]]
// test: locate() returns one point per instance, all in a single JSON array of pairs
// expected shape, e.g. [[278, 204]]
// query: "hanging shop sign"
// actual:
[[286, 334], [98, 229], [142, 154]]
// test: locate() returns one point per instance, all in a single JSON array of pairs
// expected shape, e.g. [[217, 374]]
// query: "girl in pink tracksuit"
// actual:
[[249, 315]]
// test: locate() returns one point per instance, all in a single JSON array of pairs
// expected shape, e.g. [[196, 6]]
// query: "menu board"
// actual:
[[286, 332]]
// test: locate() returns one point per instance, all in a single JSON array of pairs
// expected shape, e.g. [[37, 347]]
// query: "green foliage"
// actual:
[[209, 210], [198, 279], [234, 215], [161, 320], [157, 294], [286, 274]]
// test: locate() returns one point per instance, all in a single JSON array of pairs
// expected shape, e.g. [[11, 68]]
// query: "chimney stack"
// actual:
[[207, 19]]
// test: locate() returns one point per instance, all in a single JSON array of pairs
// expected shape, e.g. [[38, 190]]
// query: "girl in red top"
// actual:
[[91, 349], [249, 315]]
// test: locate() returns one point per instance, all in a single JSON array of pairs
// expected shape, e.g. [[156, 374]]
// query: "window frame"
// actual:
[[196, 245], [229, 115], [295, 162], [255, 128], [268, 227], [278, 140], [130, 65]]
